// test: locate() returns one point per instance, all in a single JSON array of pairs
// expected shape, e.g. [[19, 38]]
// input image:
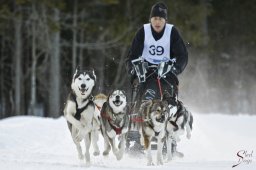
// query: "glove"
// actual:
[[132, 71], [174, 70]]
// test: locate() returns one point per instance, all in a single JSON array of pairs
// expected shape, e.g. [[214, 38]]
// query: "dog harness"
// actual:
[[80, 110], [150, 124], [105, 114]]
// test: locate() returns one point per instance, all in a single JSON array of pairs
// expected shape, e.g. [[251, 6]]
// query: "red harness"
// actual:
[[117, 130], [137, 119]]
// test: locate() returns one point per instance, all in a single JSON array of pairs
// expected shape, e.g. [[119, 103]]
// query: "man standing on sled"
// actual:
[[155, 43]]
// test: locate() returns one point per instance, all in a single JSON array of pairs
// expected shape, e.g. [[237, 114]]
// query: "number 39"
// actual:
[[156, 50]]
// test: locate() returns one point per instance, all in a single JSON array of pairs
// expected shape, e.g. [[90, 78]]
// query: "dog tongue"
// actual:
[[82, 90], [118, 102]]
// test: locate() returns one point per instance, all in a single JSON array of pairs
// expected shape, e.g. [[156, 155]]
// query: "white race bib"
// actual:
[[158, 51]]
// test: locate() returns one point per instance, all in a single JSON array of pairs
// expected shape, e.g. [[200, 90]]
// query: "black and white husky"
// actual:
[[80, 112], [179, 121], [115, 122]]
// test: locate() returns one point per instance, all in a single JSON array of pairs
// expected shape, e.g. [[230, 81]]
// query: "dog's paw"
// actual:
[[169, 158], [88, 164], [178, 154], [80, 156], [160, 162], [105, 153], [96, 153], [119, 155], [188, 135], [166, 160], [150, 163]]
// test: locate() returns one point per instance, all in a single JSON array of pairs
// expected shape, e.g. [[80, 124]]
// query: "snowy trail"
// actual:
[[44, 143]]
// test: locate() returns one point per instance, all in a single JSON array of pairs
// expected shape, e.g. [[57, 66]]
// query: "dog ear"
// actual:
[[92, 72], [146, 104], [109, 94], [149, 103], [123, 92], [76, 72], [78, 68]]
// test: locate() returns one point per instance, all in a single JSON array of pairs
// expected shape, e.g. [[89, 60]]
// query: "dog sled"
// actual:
[[141, 92]]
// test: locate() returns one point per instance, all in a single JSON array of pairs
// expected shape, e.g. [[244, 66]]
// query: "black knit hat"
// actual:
[[159, 10]]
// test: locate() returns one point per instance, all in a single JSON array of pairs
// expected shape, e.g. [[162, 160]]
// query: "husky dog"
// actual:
[[154, 114], [179, 120], [115, 122], [80, 112]]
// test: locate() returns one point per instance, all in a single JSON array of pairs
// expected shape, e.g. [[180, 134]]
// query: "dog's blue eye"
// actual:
[[88, 79], [79, 79]]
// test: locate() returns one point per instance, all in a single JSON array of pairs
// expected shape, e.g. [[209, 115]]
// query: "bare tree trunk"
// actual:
[[33, 67], [81, 40], [81, 50], [54, 92], [98, 63], [205, 23], [3, 99], [17, 66], [119, 80], [74, 42]]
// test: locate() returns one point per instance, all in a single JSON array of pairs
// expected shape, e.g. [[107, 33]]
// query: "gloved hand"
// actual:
[[132, 71], [174, 70]]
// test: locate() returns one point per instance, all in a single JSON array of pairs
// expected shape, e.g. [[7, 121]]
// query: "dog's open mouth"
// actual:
[[83, 90], [117, 102], [160, 119]]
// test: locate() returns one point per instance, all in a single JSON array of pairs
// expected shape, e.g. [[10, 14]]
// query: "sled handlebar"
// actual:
[[141, 67]]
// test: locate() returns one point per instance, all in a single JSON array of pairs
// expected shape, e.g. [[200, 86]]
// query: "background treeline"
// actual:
[[42, 42]]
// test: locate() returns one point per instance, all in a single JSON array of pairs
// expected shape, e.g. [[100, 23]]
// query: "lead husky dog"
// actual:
[[115, 122], [154, 114], [179, 120], [80, 112]]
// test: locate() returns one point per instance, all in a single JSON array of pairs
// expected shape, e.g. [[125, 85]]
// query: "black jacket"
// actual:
[[178, 49]]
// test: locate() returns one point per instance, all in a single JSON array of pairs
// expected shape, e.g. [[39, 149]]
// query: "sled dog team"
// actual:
[[87, 116]]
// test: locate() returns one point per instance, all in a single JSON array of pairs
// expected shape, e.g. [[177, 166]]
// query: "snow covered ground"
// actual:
[[34, 143]]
